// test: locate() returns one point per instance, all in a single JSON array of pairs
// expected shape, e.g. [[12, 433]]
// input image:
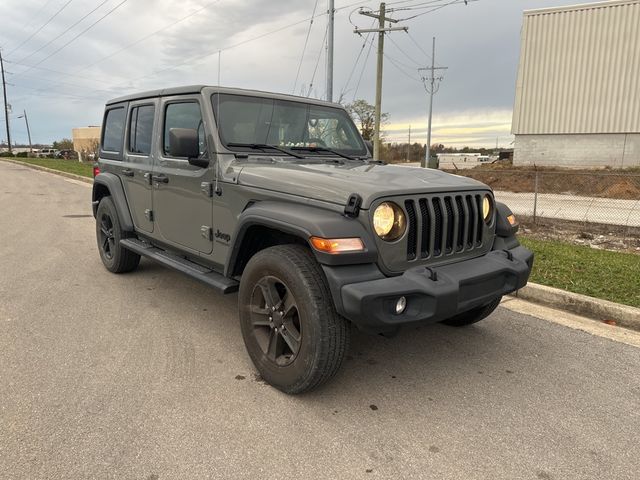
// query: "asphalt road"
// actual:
[[144, 376]]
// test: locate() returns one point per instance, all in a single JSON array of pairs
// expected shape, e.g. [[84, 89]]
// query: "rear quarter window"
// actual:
[[113, 132]]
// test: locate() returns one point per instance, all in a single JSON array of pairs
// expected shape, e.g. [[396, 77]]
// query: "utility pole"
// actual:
[[6, 107], [332, 12], [26, 120], [431, 84], [409, 147], [381, 30]]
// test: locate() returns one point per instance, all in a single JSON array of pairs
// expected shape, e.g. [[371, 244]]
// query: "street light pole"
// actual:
[[431, 85], [26, 120], [6, 107]]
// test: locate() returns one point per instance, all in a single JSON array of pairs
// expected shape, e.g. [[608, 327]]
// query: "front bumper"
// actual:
[[433, 294]]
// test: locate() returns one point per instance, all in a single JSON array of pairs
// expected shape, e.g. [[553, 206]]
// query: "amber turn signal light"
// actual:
[[512, 219], [337, 245]]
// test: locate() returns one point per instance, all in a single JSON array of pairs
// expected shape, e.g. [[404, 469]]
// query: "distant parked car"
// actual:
[[67, 154], [48, 152]]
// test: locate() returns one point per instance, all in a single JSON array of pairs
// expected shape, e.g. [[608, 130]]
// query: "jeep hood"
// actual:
[[336, 182]]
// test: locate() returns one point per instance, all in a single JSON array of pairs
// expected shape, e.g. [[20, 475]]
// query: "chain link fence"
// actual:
[[596, 207]]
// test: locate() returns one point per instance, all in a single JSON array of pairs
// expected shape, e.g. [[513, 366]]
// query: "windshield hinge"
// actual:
[[352, 208], [207, 189], [207, 232]]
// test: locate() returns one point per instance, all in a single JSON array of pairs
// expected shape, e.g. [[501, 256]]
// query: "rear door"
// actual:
[[137, 163], [183, 207]]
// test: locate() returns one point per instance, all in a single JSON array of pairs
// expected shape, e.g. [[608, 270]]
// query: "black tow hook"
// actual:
[[433, 275], [509, 255]]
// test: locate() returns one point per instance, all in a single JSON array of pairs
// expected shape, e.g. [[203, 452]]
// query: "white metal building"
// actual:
[[578, 89]]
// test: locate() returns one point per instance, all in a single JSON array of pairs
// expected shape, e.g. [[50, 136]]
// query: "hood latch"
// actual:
[[352, 208]]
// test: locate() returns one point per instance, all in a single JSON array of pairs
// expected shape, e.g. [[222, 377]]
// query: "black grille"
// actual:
[[443, 225], [412, 226], [425, 234]]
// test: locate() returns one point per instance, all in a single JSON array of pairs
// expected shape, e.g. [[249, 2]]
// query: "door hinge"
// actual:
[[148, 177], [207, 232], [149, 214], [207, 189]]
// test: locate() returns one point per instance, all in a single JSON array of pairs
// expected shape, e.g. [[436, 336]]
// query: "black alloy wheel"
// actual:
[[290, 326], [275, 320], [109, 232], [107, 240]]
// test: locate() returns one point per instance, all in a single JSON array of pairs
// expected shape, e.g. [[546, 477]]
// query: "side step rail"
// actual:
[[203, 274]]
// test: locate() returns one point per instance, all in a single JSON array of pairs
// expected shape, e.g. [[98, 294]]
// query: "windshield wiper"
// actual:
[[325, 149], [263, 147]]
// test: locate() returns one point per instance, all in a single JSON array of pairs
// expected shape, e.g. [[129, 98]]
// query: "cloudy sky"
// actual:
[[62, 68]]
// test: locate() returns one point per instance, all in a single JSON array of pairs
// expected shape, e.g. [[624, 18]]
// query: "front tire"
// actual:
[[292, 332], [115, 258], [473, 315]]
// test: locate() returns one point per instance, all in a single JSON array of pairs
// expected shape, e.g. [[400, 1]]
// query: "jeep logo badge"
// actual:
[[222, 236]]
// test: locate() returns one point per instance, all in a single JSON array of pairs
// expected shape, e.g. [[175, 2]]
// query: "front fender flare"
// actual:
[[304, 221], [113, 184]]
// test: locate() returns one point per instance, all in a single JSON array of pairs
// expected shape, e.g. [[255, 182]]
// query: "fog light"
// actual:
[[401, 304]]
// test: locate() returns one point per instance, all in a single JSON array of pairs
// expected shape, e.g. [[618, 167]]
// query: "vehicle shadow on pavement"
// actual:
[[423, 360]]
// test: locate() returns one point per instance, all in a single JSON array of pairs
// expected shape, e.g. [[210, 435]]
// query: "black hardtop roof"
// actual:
[[196, 89]]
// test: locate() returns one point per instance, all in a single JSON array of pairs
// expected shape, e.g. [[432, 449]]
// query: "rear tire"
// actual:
[[474, 315], [115, 258], [292, 332]]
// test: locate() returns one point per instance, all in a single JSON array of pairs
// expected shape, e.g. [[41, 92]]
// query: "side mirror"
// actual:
[[184, 142], [369, 145]]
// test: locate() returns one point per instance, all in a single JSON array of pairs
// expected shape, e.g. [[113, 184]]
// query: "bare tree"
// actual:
[[363, 113]]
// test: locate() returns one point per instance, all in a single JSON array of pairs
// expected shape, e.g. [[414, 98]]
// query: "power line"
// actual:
[[418, 45], [66, 74], [399, 68], [364, 65], [140, 40], [304, 48], [113, 53], [191, 59], [35, 15], [58, 12], [355, 64], [453, 2], [402, 51], [76, 37], [65, 31], [315, 70]]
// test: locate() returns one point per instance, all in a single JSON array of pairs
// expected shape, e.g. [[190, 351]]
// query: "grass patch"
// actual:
[[613, 276], [69, 166]]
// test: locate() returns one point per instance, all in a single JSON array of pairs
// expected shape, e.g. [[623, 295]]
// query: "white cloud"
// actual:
[[479, 44]]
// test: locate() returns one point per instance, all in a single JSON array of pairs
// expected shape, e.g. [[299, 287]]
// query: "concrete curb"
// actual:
[[49, 170], [590, 307]]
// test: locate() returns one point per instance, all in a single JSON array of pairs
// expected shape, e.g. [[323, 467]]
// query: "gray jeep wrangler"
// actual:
[[278, 198]]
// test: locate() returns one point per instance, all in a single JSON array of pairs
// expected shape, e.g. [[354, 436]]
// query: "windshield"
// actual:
[[254, 120]]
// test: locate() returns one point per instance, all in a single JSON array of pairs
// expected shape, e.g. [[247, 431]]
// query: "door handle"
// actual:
[[127, 172], [160, 178]]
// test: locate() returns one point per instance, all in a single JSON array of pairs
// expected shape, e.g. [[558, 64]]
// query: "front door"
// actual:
[[136, 168], [183, 209]]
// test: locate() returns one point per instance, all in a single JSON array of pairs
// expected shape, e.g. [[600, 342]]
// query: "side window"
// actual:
[[113, 130], [141, 129], [183, 115]]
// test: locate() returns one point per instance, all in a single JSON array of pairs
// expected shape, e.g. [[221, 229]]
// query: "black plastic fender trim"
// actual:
[[116, 191]]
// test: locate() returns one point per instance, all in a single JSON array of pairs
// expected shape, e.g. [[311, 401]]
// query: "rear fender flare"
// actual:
[[113, 186]]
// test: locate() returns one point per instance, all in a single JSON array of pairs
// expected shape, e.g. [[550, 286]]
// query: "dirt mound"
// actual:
[[605, 183], [622, 189]]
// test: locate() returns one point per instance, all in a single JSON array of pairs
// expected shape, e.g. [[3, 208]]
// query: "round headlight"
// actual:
[[487, 208], [389, 221]]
